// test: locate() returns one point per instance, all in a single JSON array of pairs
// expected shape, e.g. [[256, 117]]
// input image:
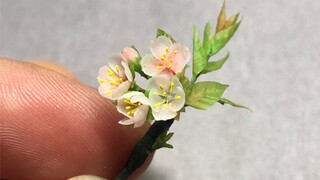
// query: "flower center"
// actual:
[[116, 78], [130, 106], [168, 98], [167, 59]]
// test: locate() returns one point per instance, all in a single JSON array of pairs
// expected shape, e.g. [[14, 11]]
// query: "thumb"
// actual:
[[53, 127]]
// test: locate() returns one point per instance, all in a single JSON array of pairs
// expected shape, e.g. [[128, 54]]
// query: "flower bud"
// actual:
[[129, 54]]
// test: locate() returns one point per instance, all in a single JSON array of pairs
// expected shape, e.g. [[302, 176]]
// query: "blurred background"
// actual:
[[274, 68]]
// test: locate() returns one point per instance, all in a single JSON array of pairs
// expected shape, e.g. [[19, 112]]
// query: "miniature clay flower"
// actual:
[[129, 54], [134, 105], [166, 96], [166, 57], [115, 79]]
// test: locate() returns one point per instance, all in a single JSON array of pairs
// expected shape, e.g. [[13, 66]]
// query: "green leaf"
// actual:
[[232, 20], [215, 65], [199, 55], [220, 39], [162, 140], [206, 38], [150, 116], [226, 101], [204, 94], [161, 32], [168, 136], [185, 82]]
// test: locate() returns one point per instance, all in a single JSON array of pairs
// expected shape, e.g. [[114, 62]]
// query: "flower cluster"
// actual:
[[164, 96], [168, 90]]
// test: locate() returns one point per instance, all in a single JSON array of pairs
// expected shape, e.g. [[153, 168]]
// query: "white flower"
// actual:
[[166, 96], [115, 79], [134, 105], [165, 58], [129, 54]]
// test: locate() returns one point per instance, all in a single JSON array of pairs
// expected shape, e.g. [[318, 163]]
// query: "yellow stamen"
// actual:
[[165, 106], [171, 86], [175, 52], [127, 101], [167, 49], [178, 97], [128, 107], [109, 91], [170, 104], [111, 73], [161, 87], [114, 83], [102, 80], [131, 111], [158, 104], [155, 93], [118, 69], [159, 67]]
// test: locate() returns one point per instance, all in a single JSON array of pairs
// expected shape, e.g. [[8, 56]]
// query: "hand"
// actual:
[[54, 127]]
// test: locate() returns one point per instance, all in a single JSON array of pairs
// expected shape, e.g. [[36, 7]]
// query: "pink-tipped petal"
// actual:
[[115, 60], [127, 71], [106, 90], [103, 73], [181, 58], [149, 65], [159, 45], [122, 88], [129, 54]]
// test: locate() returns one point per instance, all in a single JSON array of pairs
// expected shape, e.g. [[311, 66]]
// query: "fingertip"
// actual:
[[54, 67]]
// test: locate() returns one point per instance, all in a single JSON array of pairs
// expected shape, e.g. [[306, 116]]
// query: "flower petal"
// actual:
[[154, 99], [127, 71], [155, 81], [121, 106], [164, 114], [106, 90], [181, 58], [149, 65], [178, 91], [159, 45], [121, 89], [179, 103], [140, 97], [140, 116], [115, 60], [126, 122]]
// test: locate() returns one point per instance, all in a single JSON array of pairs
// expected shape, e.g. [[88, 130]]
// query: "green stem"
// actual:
[[143, 148]]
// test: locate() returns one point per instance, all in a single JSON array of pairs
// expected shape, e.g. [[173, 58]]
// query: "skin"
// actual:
[[54, 127]]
